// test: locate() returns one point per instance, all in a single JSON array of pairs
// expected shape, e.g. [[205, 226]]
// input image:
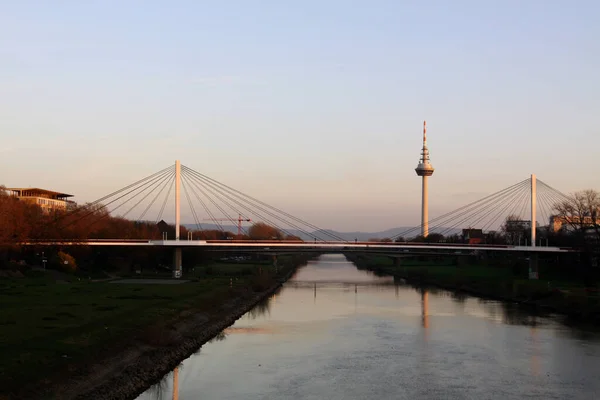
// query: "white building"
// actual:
[[48, 200]]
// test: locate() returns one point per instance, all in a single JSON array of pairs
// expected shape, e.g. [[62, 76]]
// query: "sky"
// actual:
[[315, 107]]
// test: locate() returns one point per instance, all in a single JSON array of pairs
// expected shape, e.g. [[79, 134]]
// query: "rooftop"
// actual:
[[38, 192]]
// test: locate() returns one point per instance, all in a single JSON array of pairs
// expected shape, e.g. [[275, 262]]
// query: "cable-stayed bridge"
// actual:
[[208, 199]]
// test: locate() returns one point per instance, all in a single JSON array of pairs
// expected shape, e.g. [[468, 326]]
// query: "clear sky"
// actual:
[[313, 106]]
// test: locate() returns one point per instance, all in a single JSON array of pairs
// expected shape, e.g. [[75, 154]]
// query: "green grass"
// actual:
[[45, 325], [510, 281]]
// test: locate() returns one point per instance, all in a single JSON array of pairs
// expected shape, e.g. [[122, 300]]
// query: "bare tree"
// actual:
[[514, 229], [580, 211]]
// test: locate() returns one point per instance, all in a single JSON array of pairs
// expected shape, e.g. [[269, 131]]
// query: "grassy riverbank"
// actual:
[[53, 332], [568, 297]]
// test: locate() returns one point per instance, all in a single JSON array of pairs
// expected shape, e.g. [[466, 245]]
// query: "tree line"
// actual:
[[22, 221]]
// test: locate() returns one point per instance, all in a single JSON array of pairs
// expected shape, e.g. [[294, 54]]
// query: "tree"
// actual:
[[581, 211], [454, 239], [515, 229], [262, 231], [66, 261], [493, 237], [434, 238]]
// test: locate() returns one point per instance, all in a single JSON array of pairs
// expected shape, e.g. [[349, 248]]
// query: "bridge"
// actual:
[[281, 246], [216, 199]]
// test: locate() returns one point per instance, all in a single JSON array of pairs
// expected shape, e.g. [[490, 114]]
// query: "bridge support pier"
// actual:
[[397, 261], [533, 266], [275, 262], [177, 261]]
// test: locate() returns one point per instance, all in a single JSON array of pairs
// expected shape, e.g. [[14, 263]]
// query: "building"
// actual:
[[473, 236], [558, 222], [48, 200]]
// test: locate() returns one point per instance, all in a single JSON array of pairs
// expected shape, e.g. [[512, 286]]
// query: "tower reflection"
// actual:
[[176, 383], [425, 308], [535, 350]]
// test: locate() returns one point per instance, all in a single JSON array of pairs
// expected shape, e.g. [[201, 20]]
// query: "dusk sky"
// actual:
[[315, 107]]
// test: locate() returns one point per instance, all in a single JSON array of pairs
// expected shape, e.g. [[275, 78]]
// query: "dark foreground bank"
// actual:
[[577, 302], [123, 368]]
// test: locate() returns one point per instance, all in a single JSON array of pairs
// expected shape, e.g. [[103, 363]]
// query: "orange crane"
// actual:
[[239, 221]]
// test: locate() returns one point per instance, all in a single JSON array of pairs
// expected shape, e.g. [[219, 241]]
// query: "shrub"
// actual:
[[67, 262]]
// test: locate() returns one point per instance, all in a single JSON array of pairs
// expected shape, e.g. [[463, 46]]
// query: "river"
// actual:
[[334, 332]]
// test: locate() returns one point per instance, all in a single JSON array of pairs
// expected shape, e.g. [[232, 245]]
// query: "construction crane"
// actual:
[[239, 221]]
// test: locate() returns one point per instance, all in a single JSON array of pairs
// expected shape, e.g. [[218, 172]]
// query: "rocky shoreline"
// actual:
[[125, 375]]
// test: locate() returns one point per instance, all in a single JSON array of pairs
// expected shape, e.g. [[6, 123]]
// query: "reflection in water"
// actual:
[[398, 341], [535, 351], [219, 337], [161, 390], [261, 308], [459, 297], [425, 308], [176, 383]]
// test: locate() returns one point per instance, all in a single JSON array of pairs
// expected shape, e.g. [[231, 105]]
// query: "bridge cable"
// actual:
[[233, 221], [162, 183], [503, 208], [224, 193], [474, 211], [478, 208], [512, 211], [469, 208], [108, 214], [214, 203], [155, 198], [162, 208], [141, 189], [105, 206], [557, 192], [251, 199], [497, 202], [229, 217], [507, 198], [212, 190], [474, 203], [523, 212], [206, 209], [187, 195], [59, 219], [216, 188], [545, 203]]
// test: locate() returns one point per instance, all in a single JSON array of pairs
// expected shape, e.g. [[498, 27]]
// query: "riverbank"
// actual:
[[119, 356], [577, 302]]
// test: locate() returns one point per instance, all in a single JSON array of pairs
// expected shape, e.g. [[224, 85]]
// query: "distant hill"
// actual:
[[329, 234]]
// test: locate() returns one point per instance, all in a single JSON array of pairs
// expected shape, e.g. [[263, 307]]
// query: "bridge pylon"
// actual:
[[533, 258], [177, 258]]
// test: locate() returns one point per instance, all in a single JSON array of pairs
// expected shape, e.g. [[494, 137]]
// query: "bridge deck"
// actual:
[[240, 245]]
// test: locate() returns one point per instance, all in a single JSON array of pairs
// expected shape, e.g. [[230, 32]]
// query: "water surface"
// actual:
[[334, 332]]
